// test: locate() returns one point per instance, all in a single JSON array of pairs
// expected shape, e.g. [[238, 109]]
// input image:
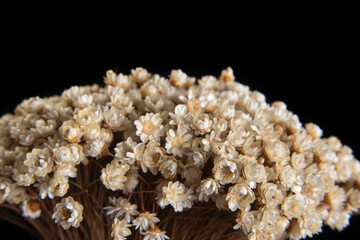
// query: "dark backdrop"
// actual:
[[316, 73]]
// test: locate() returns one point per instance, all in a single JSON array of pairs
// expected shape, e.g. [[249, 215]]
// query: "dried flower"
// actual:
[[68, 213], [145, 220], [113, 175], [120, 229], [31, 208], [149, 127]]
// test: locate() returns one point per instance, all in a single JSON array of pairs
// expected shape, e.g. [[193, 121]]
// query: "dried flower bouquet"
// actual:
[[146, 157]]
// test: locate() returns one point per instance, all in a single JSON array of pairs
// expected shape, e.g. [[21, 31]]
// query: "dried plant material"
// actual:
[[145, 157]]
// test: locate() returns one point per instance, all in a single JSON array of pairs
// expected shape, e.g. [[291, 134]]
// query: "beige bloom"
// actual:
[[227, 75], [115, 119], [113, 175], [252, 147], [84, 117], [287, 176], [145, 220], [31, 208], [58, 186], [129, 151], [68, 213], [155, 234], [140, 75], [310, 224], [175, 195], [353, 200], [246, 220], [45, 128], [293, 206], [72, 153], [191, 174], [177, 142], [240, 196], [121, 208], [70, 131], [5, 189], [153, 155], [277, 151], [226, 171], [270, 194], [302, 142], [253, 171], [149, 127], [298, 161], [338, 219], [40, 161], [324, 153], [313, 130], [201, 123], [17, 195], [336, 197], [120, 229], [208, 187], [269, 232]]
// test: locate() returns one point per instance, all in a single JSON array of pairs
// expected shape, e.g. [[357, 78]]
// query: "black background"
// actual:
[[315, 72]]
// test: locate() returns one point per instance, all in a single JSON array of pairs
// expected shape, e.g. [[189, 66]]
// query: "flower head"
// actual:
[[68, 213]]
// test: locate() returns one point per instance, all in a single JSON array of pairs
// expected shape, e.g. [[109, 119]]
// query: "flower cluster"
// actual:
[[207, 140]]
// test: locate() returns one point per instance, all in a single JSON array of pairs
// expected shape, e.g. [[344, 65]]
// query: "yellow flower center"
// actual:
[[177, 142], [149, 127], [194, 106], [33, 205]]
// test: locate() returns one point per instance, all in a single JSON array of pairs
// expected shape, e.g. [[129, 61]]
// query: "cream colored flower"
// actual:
[[313, 130], [153, 155], [17, 195], [287, 176], [191, 174], [338, 219], [58, 186], [226, 171], [240, 196], [201, 123], [302, 142], [277, 151], [70, 131], [293, 206], [336, 197], [246, 220], [178, 78], [269, 232], [353, 200], [177, 142], [121, 208], [85, 117], [313, 187], [72, 153], [169, 167], [145, 220], [129, 151], [298, 161], [253, 171], [252, 147], [68, 213], [310, 224], [115, 119], [23, 175], [175, 195], [208, 187], [270, 194], [227, 75], [122, 102], [155, 234], [45, 128], [120, 229], [140, 75], [149, 127], [113, 175], [40, 161], [95, 148], [5, 189], [324, 153], [31, 208]]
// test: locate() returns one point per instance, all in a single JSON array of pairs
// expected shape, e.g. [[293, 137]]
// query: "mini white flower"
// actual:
[[5, 189], [45, 128], [121, 208], [145, 220], [177, 142], [140, 75], [155, 234], [227, 75], [226, 171], [169, 168], [58, 186], [113, 175], [120, 229], [240, 196], [201, 123], [40, 160], [149, 127], [175, 195], [31, 208], [68, 213], [129, 151], [70, 131], [208, 187], [115, 119]]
